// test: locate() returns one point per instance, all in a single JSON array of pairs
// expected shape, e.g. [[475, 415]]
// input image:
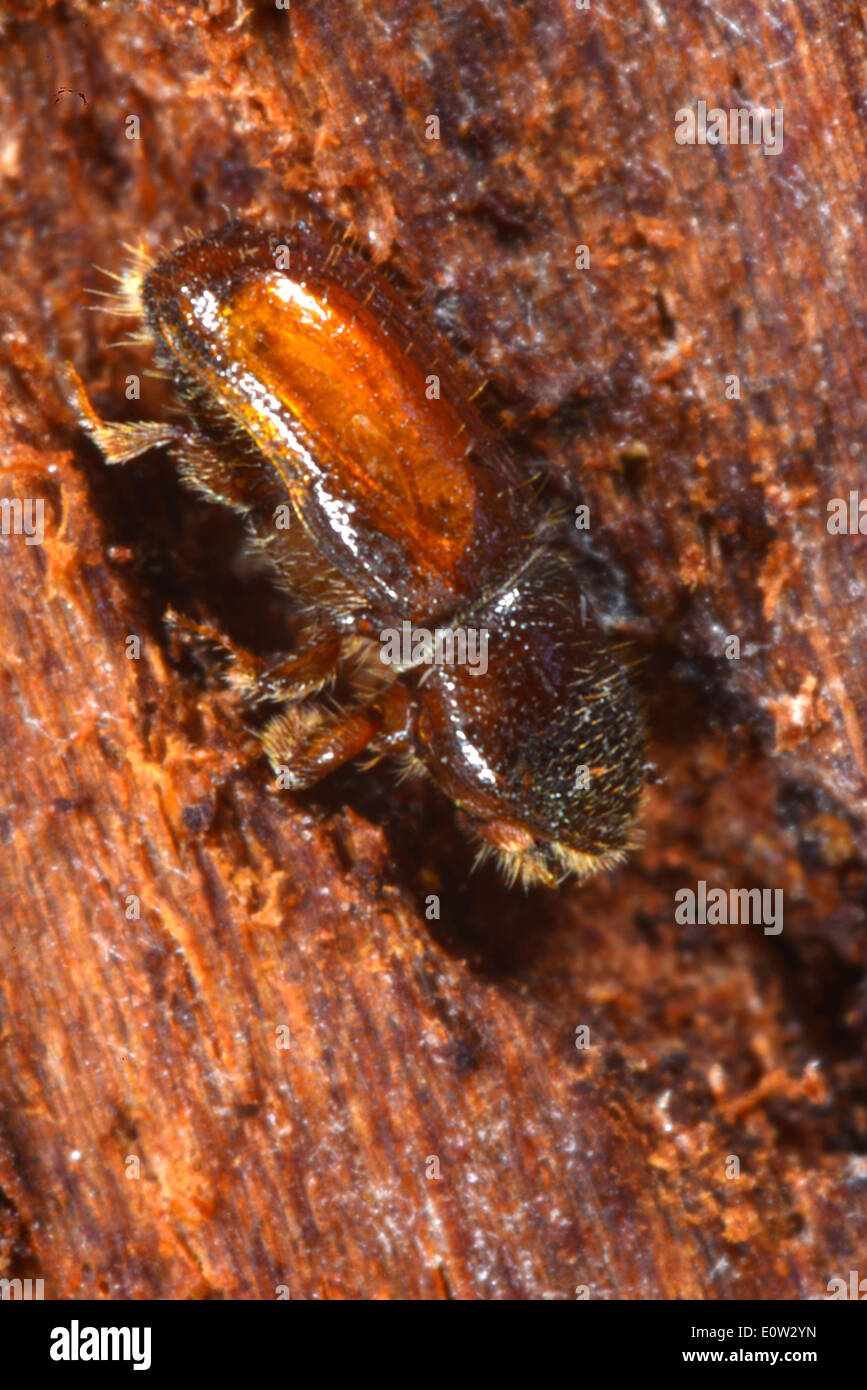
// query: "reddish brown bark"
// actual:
[[157, 1039]]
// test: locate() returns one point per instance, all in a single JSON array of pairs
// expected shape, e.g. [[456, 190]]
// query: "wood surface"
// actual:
[[411, 1040]]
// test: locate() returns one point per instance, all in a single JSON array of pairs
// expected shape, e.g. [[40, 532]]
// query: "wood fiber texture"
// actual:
[[420, 1046]]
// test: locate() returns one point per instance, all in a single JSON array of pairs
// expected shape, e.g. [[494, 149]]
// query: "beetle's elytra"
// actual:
[[315, 390]]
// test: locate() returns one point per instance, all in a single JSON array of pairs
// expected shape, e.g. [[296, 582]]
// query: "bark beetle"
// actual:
[[156, 1038]]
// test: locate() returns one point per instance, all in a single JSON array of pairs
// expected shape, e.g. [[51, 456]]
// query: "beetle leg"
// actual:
[[292, 679], [118, 441], [257, 679], [304, 745], [199, 463]]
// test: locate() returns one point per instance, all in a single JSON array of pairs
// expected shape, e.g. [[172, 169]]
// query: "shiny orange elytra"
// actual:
[[315, 389]]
